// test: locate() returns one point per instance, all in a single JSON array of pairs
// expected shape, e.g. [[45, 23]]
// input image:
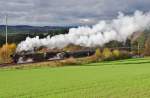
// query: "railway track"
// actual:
[[18, 64], [7, 64]]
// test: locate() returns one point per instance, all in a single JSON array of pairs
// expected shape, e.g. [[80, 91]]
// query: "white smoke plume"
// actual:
[[118, 29]]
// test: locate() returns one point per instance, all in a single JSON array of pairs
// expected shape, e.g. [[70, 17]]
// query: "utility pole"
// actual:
[[6, 43], [6, 28]]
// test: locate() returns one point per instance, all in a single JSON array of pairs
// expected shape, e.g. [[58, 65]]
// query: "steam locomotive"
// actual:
[[29, 57], [38, 57]]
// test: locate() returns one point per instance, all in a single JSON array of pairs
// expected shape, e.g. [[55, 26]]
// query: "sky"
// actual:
[[66, 12]]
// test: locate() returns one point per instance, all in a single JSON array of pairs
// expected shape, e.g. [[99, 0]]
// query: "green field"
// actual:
[[117, 79]]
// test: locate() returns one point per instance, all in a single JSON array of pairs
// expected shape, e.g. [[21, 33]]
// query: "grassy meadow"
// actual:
[[114, 79]]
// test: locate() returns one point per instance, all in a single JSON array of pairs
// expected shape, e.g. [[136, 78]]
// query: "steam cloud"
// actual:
[[118, 29]]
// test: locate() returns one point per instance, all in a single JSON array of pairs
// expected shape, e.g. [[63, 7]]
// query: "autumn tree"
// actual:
[[98, 53], [116, 53], [6, 51], [107, 53]]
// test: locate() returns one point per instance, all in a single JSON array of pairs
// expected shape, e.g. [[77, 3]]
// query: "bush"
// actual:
[[107, 54], [116, 54], [6, 51], [98, 53]]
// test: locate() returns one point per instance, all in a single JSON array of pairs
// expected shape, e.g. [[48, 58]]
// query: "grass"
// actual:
[[115, 79]]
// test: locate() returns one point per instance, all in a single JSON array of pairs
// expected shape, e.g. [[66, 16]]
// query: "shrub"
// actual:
[[107, 54], [98, 53], [116, 54], [6, 51]]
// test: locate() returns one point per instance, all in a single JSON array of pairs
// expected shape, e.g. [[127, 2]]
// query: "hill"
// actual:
[[30, 29], [19, 33]]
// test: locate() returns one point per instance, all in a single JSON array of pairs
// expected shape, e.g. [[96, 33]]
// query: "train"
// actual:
[[48, 56], [29, 57]]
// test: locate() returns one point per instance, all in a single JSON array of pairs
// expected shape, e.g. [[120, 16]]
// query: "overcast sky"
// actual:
[[66, 12]]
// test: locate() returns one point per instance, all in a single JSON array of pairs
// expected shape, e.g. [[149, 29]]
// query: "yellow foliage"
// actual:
[[98, 53], [6, 51], [107, 53], [116, 53]]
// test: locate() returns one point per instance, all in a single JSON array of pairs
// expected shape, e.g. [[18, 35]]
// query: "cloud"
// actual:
[[66, 12]]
